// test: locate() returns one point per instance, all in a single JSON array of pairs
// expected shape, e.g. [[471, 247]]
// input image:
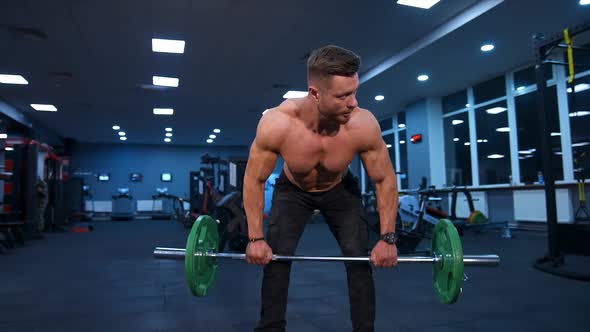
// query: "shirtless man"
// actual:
[[318, 136]]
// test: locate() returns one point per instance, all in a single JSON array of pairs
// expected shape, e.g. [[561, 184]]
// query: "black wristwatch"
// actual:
[[390, 238]]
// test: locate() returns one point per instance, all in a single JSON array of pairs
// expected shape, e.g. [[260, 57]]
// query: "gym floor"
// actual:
[[107, 280]]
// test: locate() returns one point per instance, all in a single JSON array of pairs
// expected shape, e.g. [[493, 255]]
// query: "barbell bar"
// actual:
[[471, 260], [201, 258]]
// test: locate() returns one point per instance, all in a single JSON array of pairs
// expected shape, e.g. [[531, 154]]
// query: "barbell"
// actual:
[[447, 259]]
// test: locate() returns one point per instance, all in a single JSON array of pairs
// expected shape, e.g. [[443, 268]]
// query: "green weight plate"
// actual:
[[200, 270], [448, 273], [477, 217]]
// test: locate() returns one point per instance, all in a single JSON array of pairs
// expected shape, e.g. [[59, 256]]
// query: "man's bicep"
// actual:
[[376, 159], [261, 162], [377, 163]]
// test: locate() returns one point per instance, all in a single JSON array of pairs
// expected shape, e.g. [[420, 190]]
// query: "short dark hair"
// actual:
[[332, 60]]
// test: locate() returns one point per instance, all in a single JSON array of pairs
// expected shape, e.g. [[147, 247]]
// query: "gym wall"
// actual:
[[149, 160]]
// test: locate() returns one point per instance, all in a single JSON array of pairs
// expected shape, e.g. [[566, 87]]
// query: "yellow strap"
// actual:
[[570, 54]]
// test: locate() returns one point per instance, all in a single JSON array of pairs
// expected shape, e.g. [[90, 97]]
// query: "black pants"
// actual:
[[291, 210]]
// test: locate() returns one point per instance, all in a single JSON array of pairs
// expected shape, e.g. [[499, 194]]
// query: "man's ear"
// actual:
[[314, 92]]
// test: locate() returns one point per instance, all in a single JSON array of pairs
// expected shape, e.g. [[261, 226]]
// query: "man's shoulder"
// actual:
[[361, 119], [275, 124], [281, 115]]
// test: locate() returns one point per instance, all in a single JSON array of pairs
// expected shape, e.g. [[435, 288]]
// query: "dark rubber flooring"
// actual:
[[107, 280]]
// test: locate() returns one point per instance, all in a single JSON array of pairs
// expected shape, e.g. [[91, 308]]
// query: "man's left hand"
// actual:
[[384, 254]]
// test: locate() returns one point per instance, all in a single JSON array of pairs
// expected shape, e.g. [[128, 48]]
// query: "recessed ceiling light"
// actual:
[[487, 47], [116, 127], [579, 113], [165, 81], [168, 134], [401, 125], [467, 144], [579, 87], [389, 146], [503, 130], [123, 138], [496, 110], [217, 131], [467, 105], [9, 148], [44, 107], [167, 140], [424, 4], [496, 156], [212, 136], [3, 136], [168, 45], [456, 139], [209, 141], [295, 94], [577, 145], [457, 122], [402, 142], [423, 78], [520, 88], [555, 134], [163, 111], [12, 79], [122, 133], [584, 2], [168, 129], [379, 97]]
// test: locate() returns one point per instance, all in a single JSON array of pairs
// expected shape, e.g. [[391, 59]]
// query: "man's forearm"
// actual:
[[387, 202], [254, 206]]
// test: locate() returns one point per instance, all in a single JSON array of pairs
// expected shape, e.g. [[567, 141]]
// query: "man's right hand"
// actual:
[[258, 253]]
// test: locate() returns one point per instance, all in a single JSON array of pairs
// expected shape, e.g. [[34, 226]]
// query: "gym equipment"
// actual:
[[553, 261], [476, 219], [448, 261], [122, 205], [412, 211], [6, 238], [409, 225], [167, 200], [232, 223]]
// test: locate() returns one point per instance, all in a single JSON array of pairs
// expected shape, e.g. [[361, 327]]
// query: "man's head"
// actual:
[[332, 75]]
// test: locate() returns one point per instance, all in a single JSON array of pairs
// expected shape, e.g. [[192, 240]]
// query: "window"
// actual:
[[492, 89], [401, 120], [386, 124], [493, 144], [456, 101], [527, 76], [529, 136], [390, 142], [403, 159], [457, 150], [579, 115]]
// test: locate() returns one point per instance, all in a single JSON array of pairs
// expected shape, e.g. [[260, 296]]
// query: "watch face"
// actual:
[[389, 238]]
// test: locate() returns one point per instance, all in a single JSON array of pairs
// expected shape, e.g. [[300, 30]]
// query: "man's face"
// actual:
[[337, 97]]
